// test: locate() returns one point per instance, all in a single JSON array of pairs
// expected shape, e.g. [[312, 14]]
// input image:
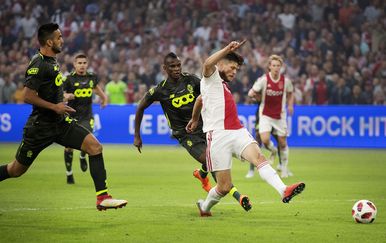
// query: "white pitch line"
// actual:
[[300, 201]]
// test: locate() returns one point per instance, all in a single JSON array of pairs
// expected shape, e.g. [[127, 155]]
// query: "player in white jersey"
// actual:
[[225, 134], [275, 90]]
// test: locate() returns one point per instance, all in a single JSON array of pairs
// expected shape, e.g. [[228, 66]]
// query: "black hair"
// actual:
[[45, 32], [233, 56], [170, 55]]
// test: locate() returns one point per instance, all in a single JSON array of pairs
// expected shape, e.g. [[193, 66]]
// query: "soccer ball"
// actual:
[[364, 211]]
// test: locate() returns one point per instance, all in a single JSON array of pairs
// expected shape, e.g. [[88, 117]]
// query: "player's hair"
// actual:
[[275, 57], [170, 55], [80, 55], [45, 32], [234, 57]]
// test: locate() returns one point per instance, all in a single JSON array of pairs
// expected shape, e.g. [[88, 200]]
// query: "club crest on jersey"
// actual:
[[189, 88], [91, 83], [182, 100]]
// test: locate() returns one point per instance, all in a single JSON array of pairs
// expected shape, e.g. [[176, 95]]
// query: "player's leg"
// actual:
[[265, 129], [68, 154], [78, 137], [200, 148], [224, 185], [89, 125], [195, 144], [251, 171], [280, 127], [284, 154], [35, 139], [11, 170], [275, 136], [253, 154]]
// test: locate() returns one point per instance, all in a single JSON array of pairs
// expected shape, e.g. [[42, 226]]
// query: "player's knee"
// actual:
[[68, 150], [95, 148]]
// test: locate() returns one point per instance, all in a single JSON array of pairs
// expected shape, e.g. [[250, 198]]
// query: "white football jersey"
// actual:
[[219, 109]]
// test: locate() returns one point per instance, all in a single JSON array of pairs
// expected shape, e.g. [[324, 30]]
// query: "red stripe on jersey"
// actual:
[[273, 97], [208, 159], [231, 119]]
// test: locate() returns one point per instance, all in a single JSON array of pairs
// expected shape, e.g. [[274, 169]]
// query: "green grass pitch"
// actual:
[[161, 194]]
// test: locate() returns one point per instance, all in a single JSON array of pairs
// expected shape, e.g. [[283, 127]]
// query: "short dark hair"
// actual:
[[45, 32], [235, 57], [170, 55], [80, 55]]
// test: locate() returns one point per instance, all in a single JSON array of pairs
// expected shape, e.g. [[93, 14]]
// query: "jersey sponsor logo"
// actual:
[[82, 93], [59, 79], [182, 100], [32, 71], [271, 92]]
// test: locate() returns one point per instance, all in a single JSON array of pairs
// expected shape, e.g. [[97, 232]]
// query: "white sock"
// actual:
[[271, 146], [270, 175], [212, 199], [284, 156], [68, 173]]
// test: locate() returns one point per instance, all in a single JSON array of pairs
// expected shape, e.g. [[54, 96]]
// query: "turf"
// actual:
[[160, 188]]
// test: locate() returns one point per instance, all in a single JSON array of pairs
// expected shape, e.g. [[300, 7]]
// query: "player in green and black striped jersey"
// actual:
[[79, 88], [50, 122], [177, 95]]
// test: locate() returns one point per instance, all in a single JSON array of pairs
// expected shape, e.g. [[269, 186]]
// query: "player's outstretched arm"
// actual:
[[209, 64], [104, 99], [193, 123], [31, 97], [143, 104]]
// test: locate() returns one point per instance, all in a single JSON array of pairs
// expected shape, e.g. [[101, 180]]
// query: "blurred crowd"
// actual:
[[334, 51]]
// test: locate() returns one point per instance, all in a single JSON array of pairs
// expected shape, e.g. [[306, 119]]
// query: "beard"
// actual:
[[224, 77], [56, 49]]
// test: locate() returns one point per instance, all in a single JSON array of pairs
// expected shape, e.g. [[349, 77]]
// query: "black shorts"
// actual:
[[87, 123], [195, 143], [39, 135]]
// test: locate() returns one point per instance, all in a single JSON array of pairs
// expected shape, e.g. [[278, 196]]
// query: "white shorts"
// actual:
[[223, 144], [267, 124]]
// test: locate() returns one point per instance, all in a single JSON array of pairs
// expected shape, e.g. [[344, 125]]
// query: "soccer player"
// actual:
[[275, 91], [79, 87], [251, 171], [49, 121], [177, 95], [224, 133]]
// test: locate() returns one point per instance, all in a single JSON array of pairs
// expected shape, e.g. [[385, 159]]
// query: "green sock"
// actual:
[[203, 171], [235, 193]]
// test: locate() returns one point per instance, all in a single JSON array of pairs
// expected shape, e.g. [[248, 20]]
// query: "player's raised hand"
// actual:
[[61, 108], [235, 45], [138, 143]]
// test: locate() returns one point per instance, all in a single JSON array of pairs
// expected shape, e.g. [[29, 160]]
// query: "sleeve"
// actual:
[[33, 74], [289, 86], [215, 77], [197, 82], [66, 84], [259, 84], [95, 79], [152, 94]]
